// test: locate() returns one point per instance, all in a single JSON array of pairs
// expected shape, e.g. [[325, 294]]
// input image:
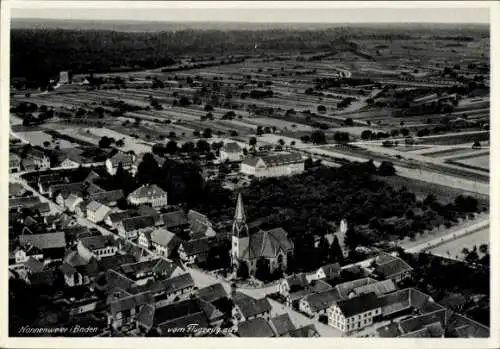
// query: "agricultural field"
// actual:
[[474, 161], [40, 138]]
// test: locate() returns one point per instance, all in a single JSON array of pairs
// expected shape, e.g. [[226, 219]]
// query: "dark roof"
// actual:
[[28, 201], [107, 196], [44, 241], [198, 318], [250, 306], [282, 324], [132, 301], [418, 322], [97, 242], [119, 216], [147, 191], [331, 270], [167, 286], [114, 262], [34, 265], [165, 238], [346, 287], [379, 288], [297, 280], [391, 268], [165, 267], [123, 158], [45, 277], [195, 247], [322, 300], [305, 331], [212, 293], [198, 222], [151, 316], [391, 330], [257, 327], [132, 269], [433, 330], [359, 304], [145, 210], [320, 286], [269, 243], [463, 327], [231, 147], [174, 219], [139, 222], [115, 279], [67, 187]]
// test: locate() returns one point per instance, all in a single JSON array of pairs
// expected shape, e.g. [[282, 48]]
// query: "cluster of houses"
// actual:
[[373, 305]]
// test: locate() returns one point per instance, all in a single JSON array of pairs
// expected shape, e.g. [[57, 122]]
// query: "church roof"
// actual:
[[269, 243], [239, 213]]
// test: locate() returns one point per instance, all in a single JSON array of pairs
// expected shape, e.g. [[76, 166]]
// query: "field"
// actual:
[[473, 161], [454, 248], [39, 138]]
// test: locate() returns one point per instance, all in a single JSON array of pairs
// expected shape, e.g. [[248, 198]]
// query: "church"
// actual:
[[274, 245]]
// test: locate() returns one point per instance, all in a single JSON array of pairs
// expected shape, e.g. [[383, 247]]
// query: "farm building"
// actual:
[[274, 165]]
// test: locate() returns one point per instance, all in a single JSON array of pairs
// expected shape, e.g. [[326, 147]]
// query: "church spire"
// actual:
[[239, 214]]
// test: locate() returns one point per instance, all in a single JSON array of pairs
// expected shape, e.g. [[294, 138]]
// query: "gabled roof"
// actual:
[[94, 206], [72, 199], [360, 304], [34, 265], [282, 324], [74, 259], [165, 267], [166, 286], [346, 287], [92, 176], [115, 279], [257, 327], [199, 318], [322, 300], [196, 247], [198, 222], [463, 327], [151, 316], [76, 188], [92, 188], [320, 286], [151, 191], [419, 322], [273, 160], [391, 268], [212, 293], [107, 196], [307, 331], [174, 219], [433, 330], [331, 270], [132, 301], [165, 238], [114, 262], [98, 242], [123, 158], [145, 210], [119, 216], [297, 281], [139, 222], [45, 277], [132, 269], [269, 243], [379, 288], [231, 147], [250, 306], [44, 241]]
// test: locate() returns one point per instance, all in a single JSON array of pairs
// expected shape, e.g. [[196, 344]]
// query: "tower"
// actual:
[[240, 239]]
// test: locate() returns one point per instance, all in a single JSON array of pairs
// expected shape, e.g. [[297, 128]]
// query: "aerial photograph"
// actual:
[[249, 172]]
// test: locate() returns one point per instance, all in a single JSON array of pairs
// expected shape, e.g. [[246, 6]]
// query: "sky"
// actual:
[[244, 12]]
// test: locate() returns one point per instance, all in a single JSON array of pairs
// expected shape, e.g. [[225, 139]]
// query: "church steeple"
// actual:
[[240, 228]]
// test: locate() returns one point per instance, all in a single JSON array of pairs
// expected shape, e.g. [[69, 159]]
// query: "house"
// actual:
[[14, 163], [248, 308], [200, 225], [212, 293], [29, 164], [164, 242], [356, 313], [274, 165], [114, 218], [391, 267], [379, 288], [293, 283], [281, 324], [273, 245], [148, 195], [130, 228], [150, 269], [124, 308], [96, 212], [169, 290], [317, 303], [194, 251], [156, 319], [23, 253], [328, 272], [256, 327], [97, 246], [72, 201], [52, 245], [23, 202], [16, 189], [293, 298], [231, 152], [69, 162], [308, 331], [175, 221], [45, 181], [123, 159], [345, 288], [74, 187], [39, 158], [33, 265], [109, 198]]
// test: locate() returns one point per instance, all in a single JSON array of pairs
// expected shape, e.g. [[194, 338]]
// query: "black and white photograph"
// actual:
[[247, 170]]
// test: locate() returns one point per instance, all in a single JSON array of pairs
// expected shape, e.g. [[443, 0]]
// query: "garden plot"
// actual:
[[39, 138]]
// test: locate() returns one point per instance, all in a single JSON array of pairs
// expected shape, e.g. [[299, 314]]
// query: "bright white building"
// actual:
[[231, 152], [148, 194], [274, 165]]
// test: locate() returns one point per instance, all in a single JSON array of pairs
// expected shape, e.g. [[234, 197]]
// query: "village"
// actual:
[[333, 193]]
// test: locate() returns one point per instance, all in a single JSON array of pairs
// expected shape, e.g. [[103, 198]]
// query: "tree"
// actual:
[[184, 101], [242, 271], [209, 107], [308, 163], [318, 137], [476, 145], [188, 147], [207, 133], [202, 146], [321, 109], [281, 142], [405, 132], [46, 144], [394, 133], [483, 248], [323, 251], [120, 143], [386, 168], [259, 131], [148, 170], [349, 122], [341, 137], [366, 135], [105, 142], [252, 142], [335, 254]]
